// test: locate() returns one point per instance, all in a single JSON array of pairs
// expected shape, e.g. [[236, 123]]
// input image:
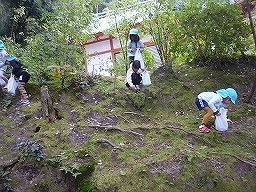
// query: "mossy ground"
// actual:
[[133, 142]]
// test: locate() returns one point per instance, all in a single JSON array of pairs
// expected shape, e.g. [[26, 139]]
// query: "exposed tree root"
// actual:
[[190, 133], [235, 156], [8, 164], [137, 114], [105, 141], [110, 128], [122, 118]]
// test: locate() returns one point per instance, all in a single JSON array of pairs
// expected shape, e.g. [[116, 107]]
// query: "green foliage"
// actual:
[[138, 100], [212, 29], [30, 148], [159, 23], [149, 60], [84, 181], [22, 18], [209, 29], [8, 187], [73, 170], [191, 153], [120, 24], [58, 159]]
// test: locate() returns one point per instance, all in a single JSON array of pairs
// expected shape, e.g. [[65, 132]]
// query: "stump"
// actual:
[[1, 93], [48, 111]]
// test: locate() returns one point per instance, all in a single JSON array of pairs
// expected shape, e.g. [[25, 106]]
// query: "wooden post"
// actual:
[[1, 93], [48, 111]]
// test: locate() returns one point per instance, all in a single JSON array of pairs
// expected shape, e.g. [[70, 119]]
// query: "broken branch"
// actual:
[[110, 128], [235, 156], [105, 141], [190, 133]]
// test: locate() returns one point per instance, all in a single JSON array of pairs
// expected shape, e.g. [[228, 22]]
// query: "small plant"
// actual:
[[30, 148], [191, 153], [73, 170], [7, 187], [57, 159]]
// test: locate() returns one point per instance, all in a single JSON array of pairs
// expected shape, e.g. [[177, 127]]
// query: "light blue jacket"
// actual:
[[132, 45]]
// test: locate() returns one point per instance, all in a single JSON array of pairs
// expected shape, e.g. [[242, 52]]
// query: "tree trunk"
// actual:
[[253, 88], [48, 111], [248, 99], [1, 93]]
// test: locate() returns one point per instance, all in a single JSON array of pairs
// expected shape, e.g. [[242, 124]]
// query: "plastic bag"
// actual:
[[146, 81], [138, 56], [12, 85], [221, 122], [2, 82]]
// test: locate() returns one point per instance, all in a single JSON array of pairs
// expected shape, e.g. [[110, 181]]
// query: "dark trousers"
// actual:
[[25, 77], [136, 79]]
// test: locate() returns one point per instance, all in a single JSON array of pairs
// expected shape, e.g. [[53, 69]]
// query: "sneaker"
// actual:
[[25, 102], [19, 102], [203, 128], [212, 126], [230, 122]]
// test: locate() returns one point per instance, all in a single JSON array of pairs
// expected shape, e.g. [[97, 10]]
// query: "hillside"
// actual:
[[106, 138]]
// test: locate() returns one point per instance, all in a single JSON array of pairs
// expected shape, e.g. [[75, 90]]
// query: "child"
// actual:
[[3, 67], [23, 77], [133, 77], [134, 44], [211, 102]]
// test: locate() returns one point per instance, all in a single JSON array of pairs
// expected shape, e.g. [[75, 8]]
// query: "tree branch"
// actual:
[[235, 156], [190, 133], [110, 128], [105, 141], [137, 114]]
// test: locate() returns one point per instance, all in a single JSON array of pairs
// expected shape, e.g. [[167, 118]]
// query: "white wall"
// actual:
[[99, 64]]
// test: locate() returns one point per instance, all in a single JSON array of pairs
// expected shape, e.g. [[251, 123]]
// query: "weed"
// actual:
[[30, 148], [57, 159], [73, 170]]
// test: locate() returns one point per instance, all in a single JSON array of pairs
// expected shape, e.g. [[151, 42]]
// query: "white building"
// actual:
[[103, 49]]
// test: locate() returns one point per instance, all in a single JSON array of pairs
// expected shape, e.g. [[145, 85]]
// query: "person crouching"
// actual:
[[133, 76], [22, 75]]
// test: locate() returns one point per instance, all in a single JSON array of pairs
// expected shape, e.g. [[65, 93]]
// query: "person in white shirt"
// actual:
[[211, 102], [133, 76]]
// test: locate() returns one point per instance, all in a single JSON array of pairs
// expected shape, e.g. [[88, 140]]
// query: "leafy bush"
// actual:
[[30, 148]]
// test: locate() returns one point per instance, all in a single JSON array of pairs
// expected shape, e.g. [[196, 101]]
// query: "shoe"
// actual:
[[230, 122], [204, 129], [212, 126], [19, 102], [26, 102]]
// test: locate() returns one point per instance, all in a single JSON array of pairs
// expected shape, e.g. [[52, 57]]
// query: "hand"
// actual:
[[219, 114], [133, 87]]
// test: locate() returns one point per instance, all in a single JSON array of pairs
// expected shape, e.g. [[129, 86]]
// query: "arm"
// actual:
[[3, 57], [2, 64], [129, 47], [141, 46], [212, 102], [129, 78]]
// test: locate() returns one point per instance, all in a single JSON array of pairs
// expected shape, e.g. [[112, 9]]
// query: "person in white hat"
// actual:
[[211, 102], [3, 67]]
